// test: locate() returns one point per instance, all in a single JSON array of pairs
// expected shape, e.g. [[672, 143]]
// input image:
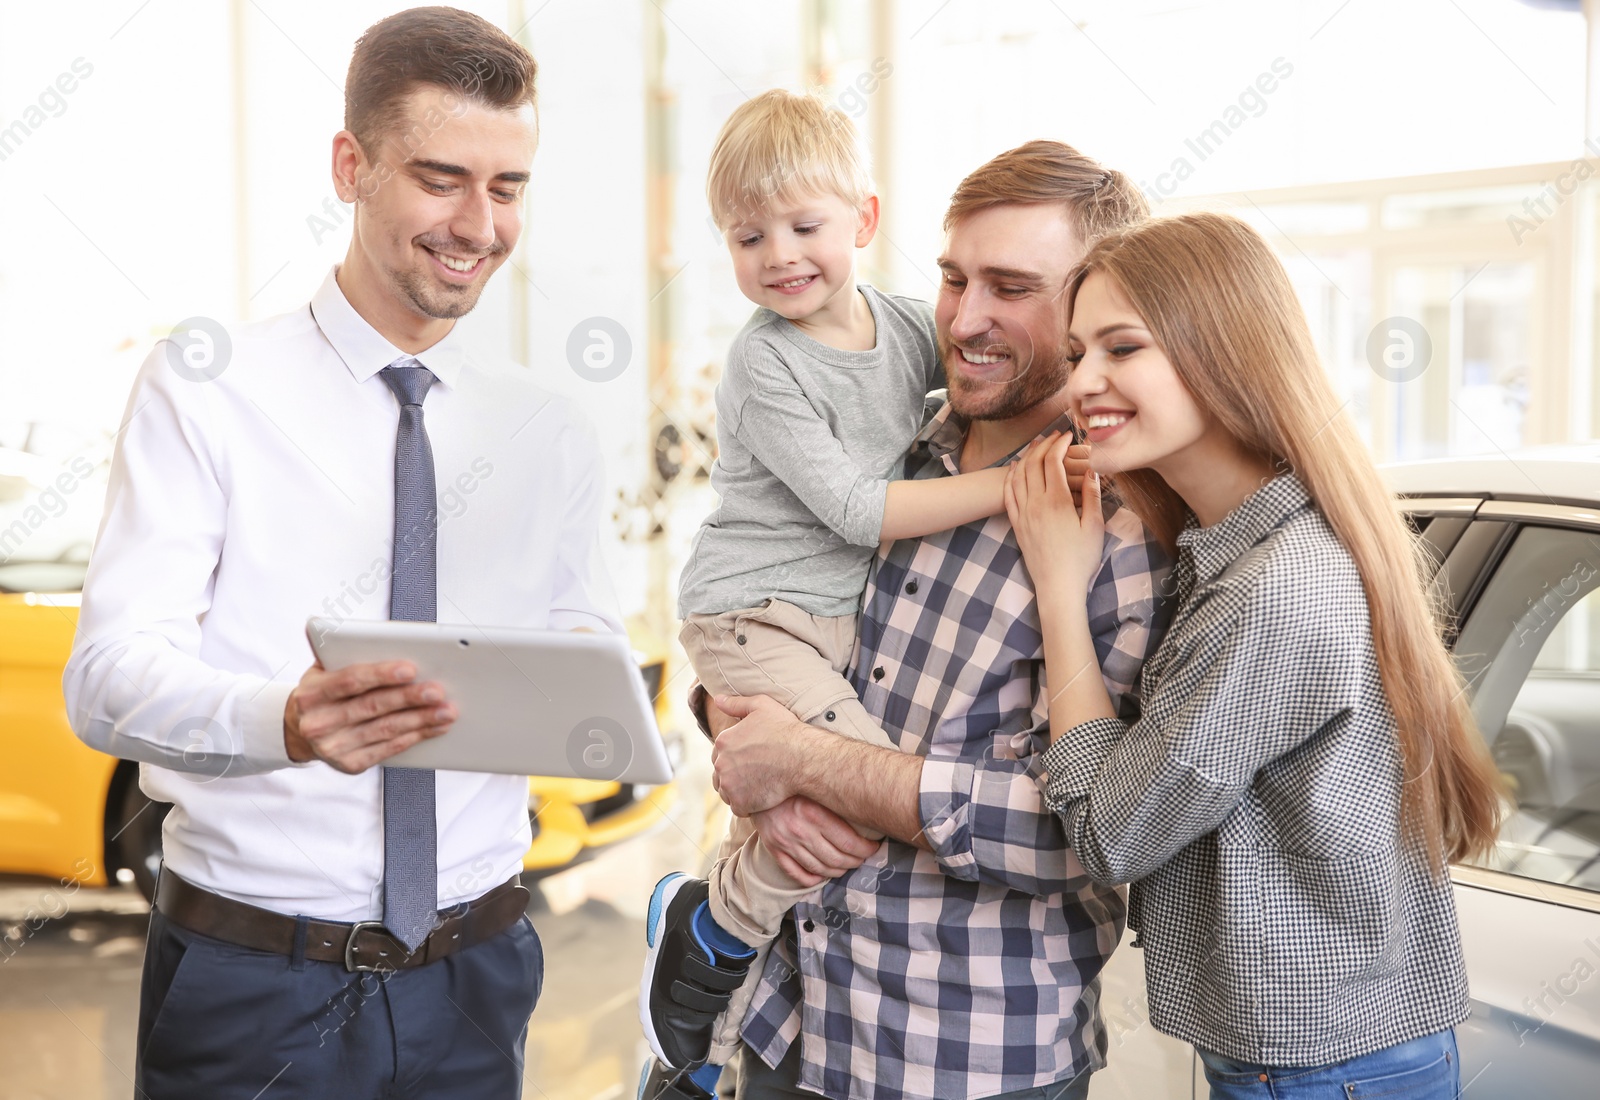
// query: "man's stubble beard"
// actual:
[[429, 298], [426, 298], [1034, 384]]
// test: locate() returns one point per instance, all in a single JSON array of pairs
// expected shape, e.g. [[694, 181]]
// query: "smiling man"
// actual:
[[325, 926], [961, 960]]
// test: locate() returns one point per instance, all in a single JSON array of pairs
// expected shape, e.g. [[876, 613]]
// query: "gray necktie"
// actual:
[[410, 856]]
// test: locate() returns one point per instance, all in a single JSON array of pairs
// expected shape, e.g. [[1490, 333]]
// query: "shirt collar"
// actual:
[[364, 350], [1215, 548], [941, 438]]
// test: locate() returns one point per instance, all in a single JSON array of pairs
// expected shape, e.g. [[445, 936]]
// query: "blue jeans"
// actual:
[[1423, 1069]]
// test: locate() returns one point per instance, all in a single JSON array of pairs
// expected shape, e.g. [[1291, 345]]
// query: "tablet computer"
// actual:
[[528, 702]]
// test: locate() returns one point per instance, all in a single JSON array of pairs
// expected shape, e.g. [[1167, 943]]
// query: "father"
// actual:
[[323, 926], [961, 959]]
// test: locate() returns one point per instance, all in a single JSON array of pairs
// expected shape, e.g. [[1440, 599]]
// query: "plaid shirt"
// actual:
[[969, 970], [1255, 807]]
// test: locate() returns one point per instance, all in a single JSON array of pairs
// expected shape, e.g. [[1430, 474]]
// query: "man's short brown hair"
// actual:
[[445, 47], [1097, 199]]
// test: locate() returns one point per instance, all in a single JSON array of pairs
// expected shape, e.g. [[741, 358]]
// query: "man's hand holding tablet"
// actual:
[[362, 714]]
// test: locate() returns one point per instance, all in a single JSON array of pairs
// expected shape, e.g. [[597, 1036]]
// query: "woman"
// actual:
[[1305, 764]]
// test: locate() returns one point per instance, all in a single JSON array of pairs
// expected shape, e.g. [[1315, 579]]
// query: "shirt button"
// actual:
[[740, 639], [877, 673], [809, 926], [829, 717], [911, 588]]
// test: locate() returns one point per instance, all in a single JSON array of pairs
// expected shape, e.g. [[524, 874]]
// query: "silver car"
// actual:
[[1515, 542]]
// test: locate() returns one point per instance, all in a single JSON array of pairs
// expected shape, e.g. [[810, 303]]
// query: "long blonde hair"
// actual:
[[1220, 305]]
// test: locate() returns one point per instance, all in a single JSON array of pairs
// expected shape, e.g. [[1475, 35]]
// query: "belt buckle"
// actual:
[[350, 963]]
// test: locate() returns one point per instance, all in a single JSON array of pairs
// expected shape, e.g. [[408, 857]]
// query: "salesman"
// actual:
[[325, 925]]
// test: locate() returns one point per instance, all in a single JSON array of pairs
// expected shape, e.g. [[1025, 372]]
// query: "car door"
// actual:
[[1523, 580], [52, 785]]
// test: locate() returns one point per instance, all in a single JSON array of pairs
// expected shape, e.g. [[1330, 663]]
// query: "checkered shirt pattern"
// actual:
[[1254, 806], [970, 970]]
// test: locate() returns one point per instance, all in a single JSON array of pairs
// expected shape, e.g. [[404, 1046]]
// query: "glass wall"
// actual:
[[1452, 322], [1415, 165]]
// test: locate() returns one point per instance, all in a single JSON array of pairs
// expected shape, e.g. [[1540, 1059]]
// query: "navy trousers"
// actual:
[[223, 1022]]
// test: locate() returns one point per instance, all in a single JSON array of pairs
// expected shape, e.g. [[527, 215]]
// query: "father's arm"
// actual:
[[769, 756], [982, 820], [135, 684], [810, 842]]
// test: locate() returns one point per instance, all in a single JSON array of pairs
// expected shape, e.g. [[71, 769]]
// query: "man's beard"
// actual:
[[1032, 383], [442, 301]]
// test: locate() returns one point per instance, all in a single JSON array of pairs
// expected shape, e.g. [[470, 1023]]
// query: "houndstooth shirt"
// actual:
[[970, 970], [1255, 808]]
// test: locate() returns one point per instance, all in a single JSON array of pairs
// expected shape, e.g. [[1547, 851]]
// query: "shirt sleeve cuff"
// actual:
[[262, 721], [866, 529], [943, 801], [1074, 760]]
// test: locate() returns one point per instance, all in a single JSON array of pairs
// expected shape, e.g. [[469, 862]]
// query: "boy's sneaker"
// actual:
[[686, 983], [657, 1082]]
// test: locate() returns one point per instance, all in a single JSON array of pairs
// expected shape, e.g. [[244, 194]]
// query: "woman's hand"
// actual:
[[1061, 547]]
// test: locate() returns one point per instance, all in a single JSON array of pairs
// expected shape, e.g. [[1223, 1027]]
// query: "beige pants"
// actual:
[[799, 659]]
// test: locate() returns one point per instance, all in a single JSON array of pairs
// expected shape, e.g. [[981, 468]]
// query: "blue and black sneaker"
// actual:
[[657, 1082], [691, 970]]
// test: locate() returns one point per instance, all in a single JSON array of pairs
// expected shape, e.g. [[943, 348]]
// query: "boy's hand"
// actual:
[[1076, 465], [810, 842]]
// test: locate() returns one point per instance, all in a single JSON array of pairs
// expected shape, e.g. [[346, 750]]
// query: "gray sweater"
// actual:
[[809, 438]]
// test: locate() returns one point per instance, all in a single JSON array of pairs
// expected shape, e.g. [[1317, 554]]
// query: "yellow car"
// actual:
[[71, 813]]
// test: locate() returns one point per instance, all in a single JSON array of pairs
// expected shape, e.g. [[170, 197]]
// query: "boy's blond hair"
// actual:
[[779, 146]]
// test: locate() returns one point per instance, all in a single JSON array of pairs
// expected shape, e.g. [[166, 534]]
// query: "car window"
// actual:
[[1469, 563], [1531, 649], [1438, 534]]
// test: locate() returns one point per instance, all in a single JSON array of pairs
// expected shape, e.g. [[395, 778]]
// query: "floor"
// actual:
[[69, 990]]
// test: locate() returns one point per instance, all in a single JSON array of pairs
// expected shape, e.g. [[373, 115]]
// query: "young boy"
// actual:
[[820, 397]]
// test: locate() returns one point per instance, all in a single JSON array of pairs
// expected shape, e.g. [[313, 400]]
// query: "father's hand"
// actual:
[[754, 761], [362, 715], [810, 842]]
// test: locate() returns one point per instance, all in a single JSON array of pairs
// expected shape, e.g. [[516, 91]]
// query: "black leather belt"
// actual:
[[364, 945]]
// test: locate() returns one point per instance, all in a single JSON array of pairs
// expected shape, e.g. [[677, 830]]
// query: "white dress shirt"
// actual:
[[240, 506]]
